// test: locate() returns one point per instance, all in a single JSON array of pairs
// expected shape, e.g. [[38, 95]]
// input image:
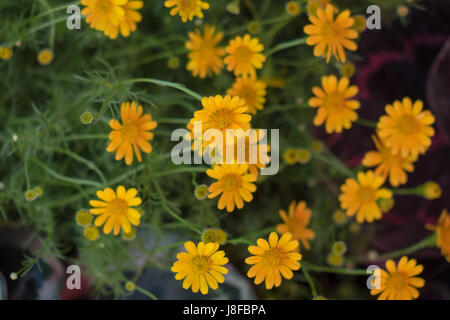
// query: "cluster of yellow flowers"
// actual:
[[401, 136]]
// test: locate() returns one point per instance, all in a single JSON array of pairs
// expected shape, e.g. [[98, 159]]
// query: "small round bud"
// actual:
[[339, 248], [83, 218], [91, 233], [86, 118], [312, 7], [39, 191], [317, 146], [319, 298], [289, 156], [254, 27], [233, 7], [372, 255], [173, 63], [402, 11], [2, 186], [293, 8], [201, 192], [302, 156], [13, 276], [5, 53], [386, 204], [45, 57], [335, 260], [348, 70], [339, 217], [214, 235], [360, 23], [130, 286], [30, 195], [354, 227]]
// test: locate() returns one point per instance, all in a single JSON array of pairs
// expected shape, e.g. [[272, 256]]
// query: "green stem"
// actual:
[[366, 123], [51, 40], [285, 45], [407, 191], [349, 272], [163, 83], [146, 292], [310, 280]]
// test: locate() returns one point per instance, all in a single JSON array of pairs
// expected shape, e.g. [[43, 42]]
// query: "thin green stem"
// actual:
[[51, 40], [146, 292], [285, 45], [310, 280], [326, 269], [163, 83], [366, 123]]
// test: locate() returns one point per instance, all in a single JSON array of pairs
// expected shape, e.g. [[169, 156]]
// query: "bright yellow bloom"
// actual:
[[273, 259], [45, 57], [296, 223], [127, 22], [293, 8], [132, 134], [5, 53], [244, 55], [389, 164], [443, 234], [399, 282], [234, 183], [205, 57], [220, 113], [201, 266], [251, 90], [431, 190], [187, 9], [116, 211], [406, 129], [101, 13], [360, 196], [334, 103], [330, 35]]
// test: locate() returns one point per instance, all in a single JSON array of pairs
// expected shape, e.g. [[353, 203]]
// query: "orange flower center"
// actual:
[[188, 4], [330, 32], [231, 182], [366, 195], [335, 101], [243, 53], [248, 94], [397, 281], [201, 264], [104, 6], [222, 119], [130, 132], [118, 207], [408, 124], [273, 257]]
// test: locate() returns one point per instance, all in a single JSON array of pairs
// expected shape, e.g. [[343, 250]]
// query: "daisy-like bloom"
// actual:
[[273, 259], [251, 90], [127, 22], [336, 108], [133, 133], [220, 113], [205, 57], [331, 36], [406, 129], [100, 13], [244, 55], [115, 209], [234, 183], [442, 230], [399, 282], [201, 266], [395, 166], [45, 57], [187, 9], [360, 196], [297, 222]]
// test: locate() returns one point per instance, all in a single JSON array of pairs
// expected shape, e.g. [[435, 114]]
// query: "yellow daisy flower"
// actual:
[[399, 282], [360, 196], [201, 266], [127, 22], [244, 55], [187, 9], [442, 230], [100, 13], [331, 35], [334, 103], [115, 209], [204, 53], [406, 129], [234, 183], [296, 223], [45, 57], [220, 113], [251, 90], [133, 133], [5, 53], [389, 164], [273, 259]]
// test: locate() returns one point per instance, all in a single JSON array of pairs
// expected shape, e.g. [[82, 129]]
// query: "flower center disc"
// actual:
[[222, 119], [231, 182], [366, 194], [188, 4], [104, 5], [130, 132], [334, 101], [273, 257], [243, 53], [408, 124], [118, 206], [397, 280], [201, 264]]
